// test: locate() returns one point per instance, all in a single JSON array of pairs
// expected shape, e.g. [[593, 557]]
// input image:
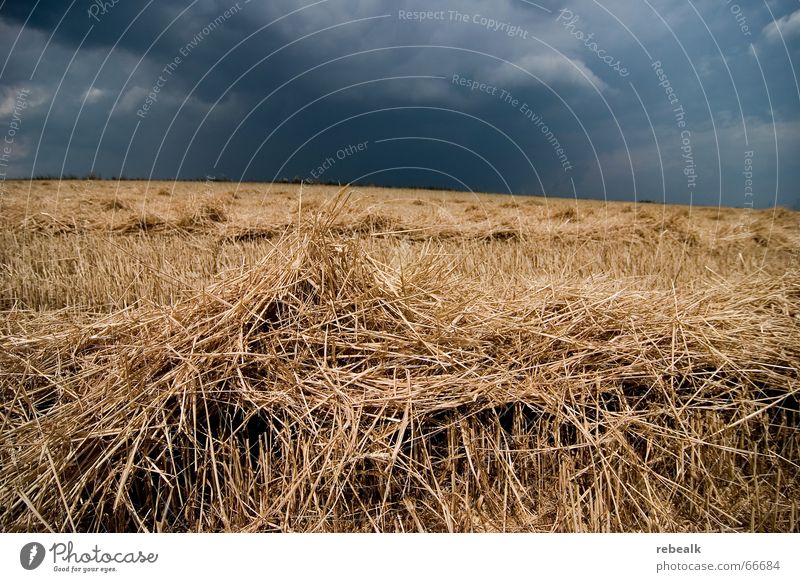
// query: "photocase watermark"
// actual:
[[568, 20], [169, 69], [523, 107], [421, 15], [66, 558], [100, 8], [741, 19], [491, 24], [678, 112], [208, 185], [749, 197], [474, 85], [340, 155], [9, 139]]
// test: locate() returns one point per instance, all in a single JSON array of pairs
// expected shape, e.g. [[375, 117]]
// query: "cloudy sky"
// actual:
[[663, 100]]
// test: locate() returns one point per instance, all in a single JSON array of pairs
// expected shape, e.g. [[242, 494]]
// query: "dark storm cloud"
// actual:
[[658, 100]]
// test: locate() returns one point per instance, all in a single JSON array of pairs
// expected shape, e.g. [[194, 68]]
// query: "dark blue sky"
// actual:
[[655, 100]]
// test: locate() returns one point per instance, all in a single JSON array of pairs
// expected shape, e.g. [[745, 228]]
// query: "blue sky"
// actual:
[[678, 101]]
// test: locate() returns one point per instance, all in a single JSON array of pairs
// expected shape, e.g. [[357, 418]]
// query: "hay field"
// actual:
[[214, 357]]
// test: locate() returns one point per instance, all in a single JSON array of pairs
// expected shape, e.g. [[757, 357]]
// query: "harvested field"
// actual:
[[214, 357]]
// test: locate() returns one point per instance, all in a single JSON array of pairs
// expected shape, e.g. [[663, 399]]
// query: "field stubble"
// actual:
[[201, 357]]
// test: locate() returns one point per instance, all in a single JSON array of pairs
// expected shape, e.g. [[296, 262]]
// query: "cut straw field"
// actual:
[[207, 357]]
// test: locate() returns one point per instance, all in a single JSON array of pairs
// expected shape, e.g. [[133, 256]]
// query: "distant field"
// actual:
[[213, 357]]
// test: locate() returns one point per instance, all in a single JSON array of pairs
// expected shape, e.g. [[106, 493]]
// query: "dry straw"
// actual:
[[323, 390]]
